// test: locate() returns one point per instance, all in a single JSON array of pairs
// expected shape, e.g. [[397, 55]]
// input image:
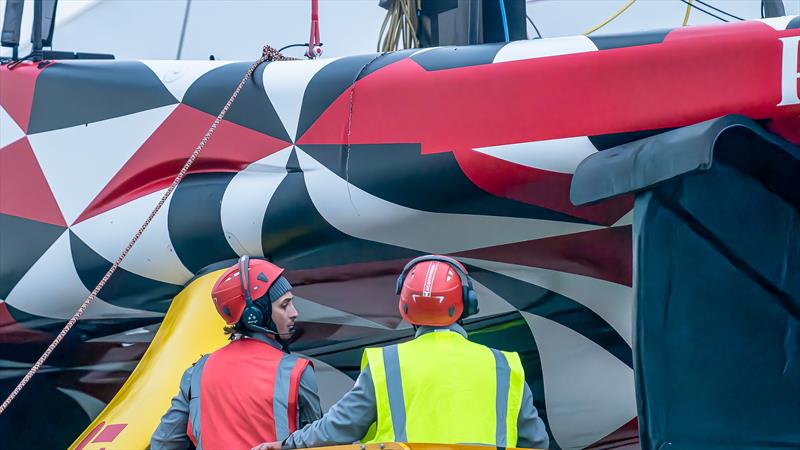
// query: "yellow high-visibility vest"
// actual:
[[442, 388]]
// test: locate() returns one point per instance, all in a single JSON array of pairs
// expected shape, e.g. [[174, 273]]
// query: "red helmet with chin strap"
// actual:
[[228, 292], [435, 290]]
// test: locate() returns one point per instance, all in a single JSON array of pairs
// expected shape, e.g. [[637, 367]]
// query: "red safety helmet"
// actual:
[[228, 291], [435, 290]]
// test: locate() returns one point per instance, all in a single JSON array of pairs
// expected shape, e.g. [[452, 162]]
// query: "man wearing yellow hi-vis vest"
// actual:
[[437, 388]]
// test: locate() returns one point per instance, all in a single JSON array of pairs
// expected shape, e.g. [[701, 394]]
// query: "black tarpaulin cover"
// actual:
[[717, 279]]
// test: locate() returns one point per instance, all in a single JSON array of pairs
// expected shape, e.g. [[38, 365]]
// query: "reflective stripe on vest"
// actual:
[[442, 388], [284, 400], [244, 375]]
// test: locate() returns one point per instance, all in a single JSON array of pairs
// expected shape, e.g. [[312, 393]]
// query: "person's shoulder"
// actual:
[[375, 351], [509, 354], [306, 363], [300, 362], [372, 352], [198, 363], [201, 357]]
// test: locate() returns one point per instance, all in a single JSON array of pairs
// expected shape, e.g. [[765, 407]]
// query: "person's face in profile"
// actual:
[[284, 313]]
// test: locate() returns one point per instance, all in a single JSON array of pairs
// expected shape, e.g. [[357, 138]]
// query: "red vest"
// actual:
[[244, 394]]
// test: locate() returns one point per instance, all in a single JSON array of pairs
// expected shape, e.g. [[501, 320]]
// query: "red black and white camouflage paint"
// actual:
[[341, 170]]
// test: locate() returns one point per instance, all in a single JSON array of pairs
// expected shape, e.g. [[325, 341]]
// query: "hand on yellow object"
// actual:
[[268, 446]]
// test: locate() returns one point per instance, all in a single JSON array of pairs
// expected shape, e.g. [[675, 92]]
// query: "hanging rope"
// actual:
[[686, 16], [269, 54]]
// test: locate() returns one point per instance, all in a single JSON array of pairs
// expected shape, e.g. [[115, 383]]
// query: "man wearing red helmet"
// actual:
[[252, 389], [438, 387]]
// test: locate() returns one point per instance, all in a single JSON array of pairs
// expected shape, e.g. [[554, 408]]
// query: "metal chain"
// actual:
[[268, 54]]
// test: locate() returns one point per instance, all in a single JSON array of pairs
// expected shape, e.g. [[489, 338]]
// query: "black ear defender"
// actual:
[[469, 296], [255, 314]]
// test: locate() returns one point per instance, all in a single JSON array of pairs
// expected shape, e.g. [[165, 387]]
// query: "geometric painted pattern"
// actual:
[[340, 170]]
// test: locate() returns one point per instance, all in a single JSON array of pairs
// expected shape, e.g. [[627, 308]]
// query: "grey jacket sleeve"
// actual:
[[171, 432], [308, 407], [346, 422], [350, 418], [531, 432]]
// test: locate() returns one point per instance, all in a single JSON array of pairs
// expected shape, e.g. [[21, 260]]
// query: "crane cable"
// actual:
[[314, 44], [717, 10], [710, 13]]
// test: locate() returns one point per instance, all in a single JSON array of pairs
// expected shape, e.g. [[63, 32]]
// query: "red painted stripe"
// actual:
[[24, 191], [606, 254], [160, 158], [625, 437], [535, 186], [16, 91], [12, 332], [787, 127], [90, 436], [695, 75]]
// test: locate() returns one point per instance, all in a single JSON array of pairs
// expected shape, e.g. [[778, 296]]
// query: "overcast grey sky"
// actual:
[[236, 29]]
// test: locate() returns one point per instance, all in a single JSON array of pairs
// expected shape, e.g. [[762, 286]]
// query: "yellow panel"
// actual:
[[190, 329]]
